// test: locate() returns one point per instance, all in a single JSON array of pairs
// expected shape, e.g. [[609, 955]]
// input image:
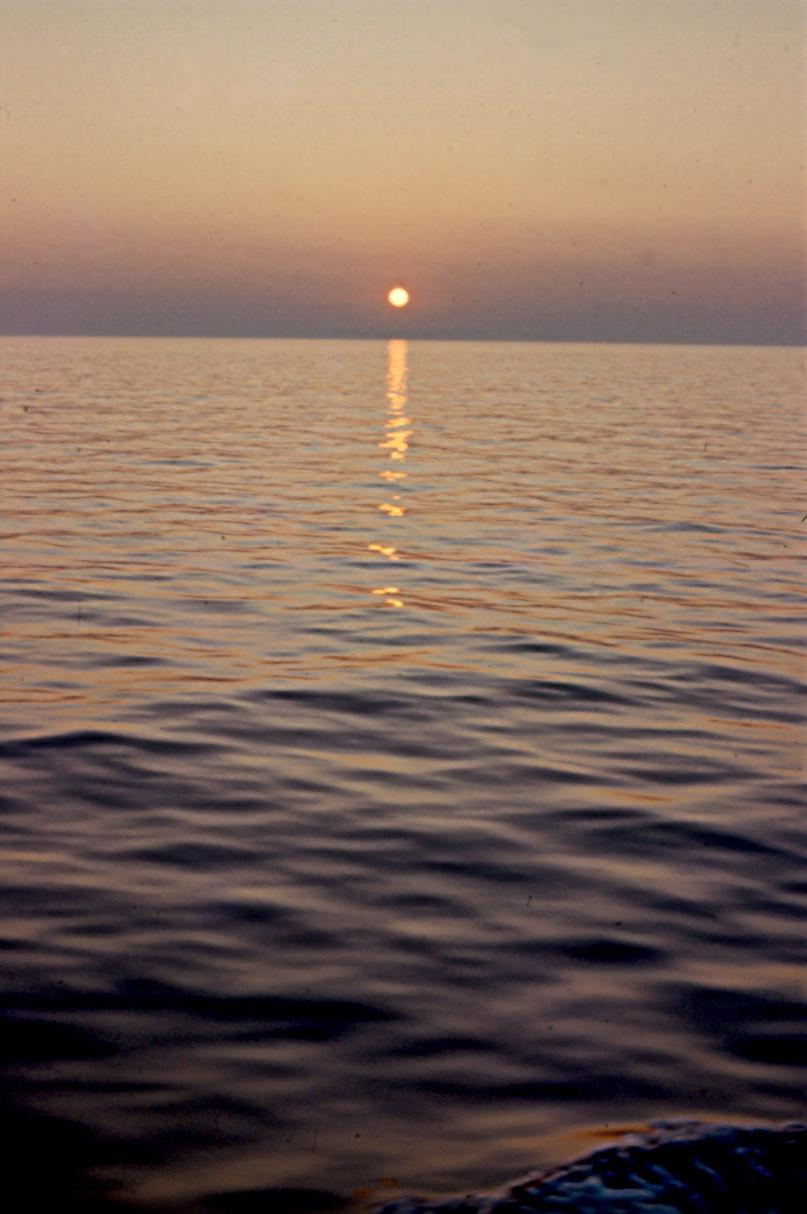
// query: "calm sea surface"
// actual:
[[401, 758]]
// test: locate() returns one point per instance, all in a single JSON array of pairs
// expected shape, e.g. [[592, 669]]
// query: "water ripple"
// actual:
[[403, 761]]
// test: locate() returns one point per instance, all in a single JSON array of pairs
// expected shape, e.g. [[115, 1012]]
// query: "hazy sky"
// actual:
[[593, 169]]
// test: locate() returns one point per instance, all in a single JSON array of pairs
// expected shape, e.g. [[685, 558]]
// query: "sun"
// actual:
[[398, 297]]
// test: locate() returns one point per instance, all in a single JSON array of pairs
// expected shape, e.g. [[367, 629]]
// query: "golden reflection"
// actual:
[[387, 550], [396, 374], [398, 431], [397, 445]]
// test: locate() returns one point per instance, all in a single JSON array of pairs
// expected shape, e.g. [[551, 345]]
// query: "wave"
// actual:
[[674, 1168]]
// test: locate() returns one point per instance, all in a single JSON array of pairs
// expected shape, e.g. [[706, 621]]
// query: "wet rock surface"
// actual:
[[675, 1168]]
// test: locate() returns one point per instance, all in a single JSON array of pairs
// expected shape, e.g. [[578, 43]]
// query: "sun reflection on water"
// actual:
[[398, 431]]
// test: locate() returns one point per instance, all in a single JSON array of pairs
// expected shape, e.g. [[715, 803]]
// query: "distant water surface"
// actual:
[[401, 760]]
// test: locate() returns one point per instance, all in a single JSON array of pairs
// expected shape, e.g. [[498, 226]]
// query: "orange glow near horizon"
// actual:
[[545, 171]]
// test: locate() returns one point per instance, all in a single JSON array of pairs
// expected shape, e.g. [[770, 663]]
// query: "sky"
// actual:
[[598, 170]]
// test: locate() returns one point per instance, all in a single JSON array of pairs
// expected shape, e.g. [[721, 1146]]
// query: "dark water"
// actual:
[[402, 758]]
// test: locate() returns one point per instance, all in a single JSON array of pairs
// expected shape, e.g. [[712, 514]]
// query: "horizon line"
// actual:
[[548, 341]]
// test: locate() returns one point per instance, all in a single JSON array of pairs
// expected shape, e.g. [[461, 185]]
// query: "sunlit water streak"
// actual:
[[402, 756]]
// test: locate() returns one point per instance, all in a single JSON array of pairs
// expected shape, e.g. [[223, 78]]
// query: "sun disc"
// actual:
[[398, 297]]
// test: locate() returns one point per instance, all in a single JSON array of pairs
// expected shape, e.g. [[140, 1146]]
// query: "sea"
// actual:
[[402, 761]]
